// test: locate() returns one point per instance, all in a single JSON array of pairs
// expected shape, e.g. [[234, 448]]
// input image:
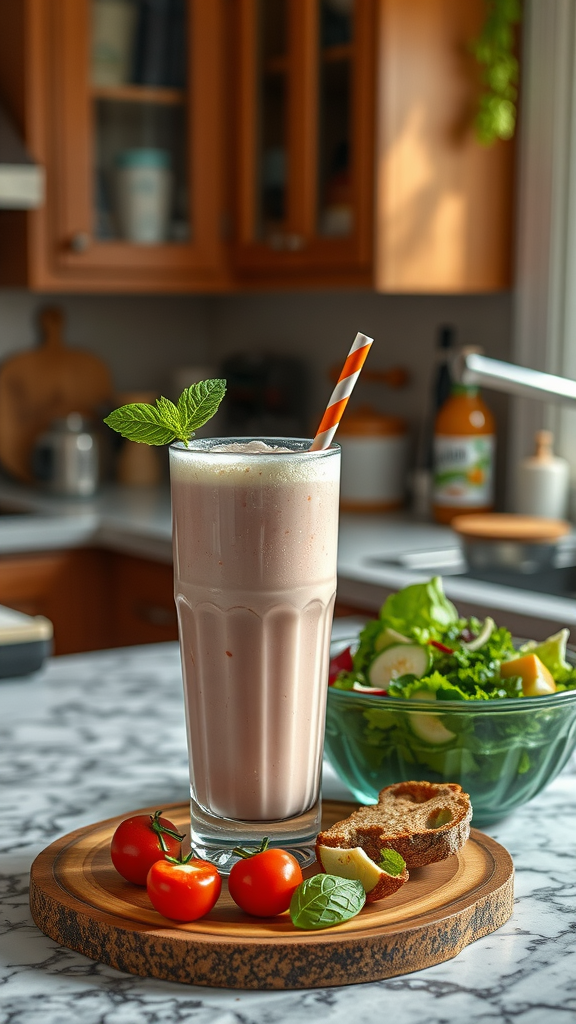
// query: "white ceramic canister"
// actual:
[[143, 194], [543, 481], [374, 461]]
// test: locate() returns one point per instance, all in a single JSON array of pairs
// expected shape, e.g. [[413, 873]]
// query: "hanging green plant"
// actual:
[[494, 51]]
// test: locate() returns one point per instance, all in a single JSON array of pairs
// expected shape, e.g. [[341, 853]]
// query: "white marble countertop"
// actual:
[[96, 735], [136, 521]]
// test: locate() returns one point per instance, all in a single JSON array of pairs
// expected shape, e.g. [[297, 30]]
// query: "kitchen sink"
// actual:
[[559, 580]]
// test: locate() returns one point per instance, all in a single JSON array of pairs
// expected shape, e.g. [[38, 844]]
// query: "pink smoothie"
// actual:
[[255, 540]]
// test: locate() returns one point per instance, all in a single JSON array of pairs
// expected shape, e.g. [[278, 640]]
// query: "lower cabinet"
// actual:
[[95, 599], [143, 602]]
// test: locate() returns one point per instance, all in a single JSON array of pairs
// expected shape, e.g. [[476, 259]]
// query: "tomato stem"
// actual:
[[161, 831], [246, 854], [182, 859]]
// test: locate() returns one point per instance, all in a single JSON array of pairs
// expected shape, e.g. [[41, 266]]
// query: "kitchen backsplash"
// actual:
[[144, 339]]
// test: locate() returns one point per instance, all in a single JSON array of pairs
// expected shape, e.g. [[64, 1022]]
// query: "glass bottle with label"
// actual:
[[464, 450]]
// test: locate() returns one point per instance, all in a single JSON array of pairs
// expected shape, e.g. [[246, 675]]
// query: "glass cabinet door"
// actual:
[[335, 142], [273, 89], [140, 93], [138, 78], [306, 100]]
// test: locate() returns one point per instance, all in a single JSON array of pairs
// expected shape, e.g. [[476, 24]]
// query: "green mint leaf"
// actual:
[[141, 422], [198, 403], [165, 422], [392, 863], [169, 414], [326, 900]]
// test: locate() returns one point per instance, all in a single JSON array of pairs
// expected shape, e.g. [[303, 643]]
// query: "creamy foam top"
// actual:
[[252, 463], [250, 448]]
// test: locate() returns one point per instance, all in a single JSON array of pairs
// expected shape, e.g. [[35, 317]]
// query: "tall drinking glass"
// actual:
[[255, 525]]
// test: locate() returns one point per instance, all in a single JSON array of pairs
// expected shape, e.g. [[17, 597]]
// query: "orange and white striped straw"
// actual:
[[339, 398]]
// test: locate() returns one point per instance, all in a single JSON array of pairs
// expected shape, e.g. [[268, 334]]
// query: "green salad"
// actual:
[[420, 648]]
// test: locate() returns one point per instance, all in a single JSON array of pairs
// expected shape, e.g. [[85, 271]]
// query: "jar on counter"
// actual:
[[374, 461]]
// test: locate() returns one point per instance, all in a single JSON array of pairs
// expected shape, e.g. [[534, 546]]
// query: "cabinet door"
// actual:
[[444, 202], [71, 588], [144, 608], [305, 130], [133, 149]]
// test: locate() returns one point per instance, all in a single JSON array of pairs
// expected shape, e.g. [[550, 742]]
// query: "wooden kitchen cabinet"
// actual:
[[80, 129], [356, 156], [314, 143], [305, 139], [71, 588], [143, 602], [95, 599]]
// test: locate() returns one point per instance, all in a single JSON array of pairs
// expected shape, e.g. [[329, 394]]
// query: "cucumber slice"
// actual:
[[399, 660], [428, 727], [389, 638]]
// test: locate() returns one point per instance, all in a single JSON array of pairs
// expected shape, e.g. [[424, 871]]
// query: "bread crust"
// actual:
[[386, 886], [424, 822]]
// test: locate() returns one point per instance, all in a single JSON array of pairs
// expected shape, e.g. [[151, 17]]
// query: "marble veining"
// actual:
[[96, 735]]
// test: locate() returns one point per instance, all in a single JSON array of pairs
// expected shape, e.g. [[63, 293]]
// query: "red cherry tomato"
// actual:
[[262, 883], [341, 663], [140, 841], [183, 891]]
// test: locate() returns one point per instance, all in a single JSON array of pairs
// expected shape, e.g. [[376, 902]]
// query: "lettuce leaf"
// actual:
[[439, 687], [552, 653], [418, 609], [365, 653], [423, 613]]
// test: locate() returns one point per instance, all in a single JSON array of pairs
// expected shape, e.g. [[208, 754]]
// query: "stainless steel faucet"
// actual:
[[469, 366]]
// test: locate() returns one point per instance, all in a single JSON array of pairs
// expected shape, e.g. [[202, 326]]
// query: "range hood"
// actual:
[[21, 180]]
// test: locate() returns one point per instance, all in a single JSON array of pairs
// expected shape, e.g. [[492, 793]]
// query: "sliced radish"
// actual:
[[399, 660], [441, 647], [372, 690]]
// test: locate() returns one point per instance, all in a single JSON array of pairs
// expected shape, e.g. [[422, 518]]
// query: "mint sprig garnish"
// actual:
[[165, 422], [325, 900]]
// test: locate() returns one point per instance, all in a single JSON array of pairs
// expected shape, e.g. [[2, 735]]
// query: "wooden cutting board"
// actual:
[[40, 386], [78, 899], [510, 526]]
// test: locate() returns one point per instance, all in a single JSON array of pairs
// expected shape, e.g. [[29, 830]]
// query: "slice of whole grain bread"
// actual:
[[423, 821]]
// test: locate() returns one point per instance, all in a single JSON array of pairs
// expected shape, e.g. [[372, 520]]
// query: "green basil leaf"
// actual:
[[141, 422], [392, 863], [198, 403], [325, 900]]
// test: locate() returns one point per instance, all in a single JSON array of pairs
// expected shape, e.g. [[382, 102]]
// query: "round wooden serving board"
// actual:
[[78, 899]]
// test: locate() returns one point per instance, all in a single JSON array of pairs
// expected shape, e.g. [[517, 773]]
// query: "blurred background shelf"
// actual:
[[138, 94]]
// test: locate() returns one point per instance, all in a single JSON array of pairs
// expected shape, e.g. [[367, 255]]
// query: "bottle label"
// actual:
[[463, 471]]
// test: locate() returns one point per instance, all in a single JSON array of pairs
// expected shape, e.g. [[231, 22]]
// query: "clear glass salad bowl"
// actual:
[[502, 752]]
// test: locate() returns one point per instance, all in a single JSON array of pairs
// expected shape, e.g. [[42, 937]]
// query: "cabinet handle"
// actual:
[[294, 243], [283, 242], [156, 615], [80, 241]]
